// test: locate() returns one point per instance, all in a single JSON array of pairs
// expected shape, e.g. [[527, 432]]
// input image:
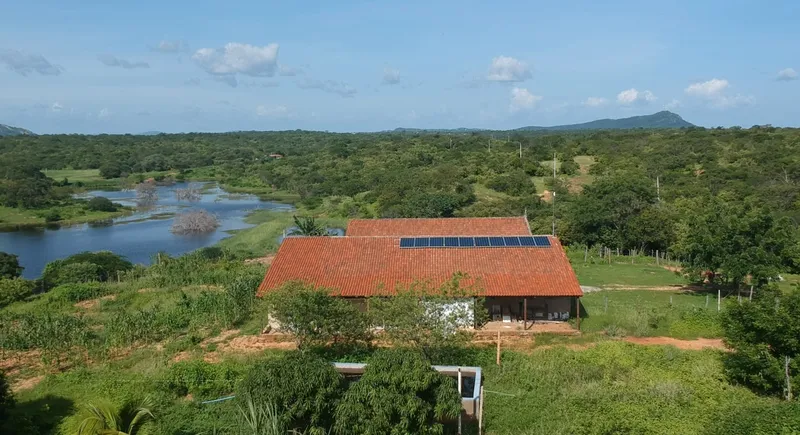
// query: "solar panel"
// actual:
[[476, 242], [497, 241]]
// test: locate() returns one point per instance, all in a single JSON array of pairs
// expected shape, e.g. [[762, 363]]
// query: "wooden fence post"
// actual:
[[498, 347]]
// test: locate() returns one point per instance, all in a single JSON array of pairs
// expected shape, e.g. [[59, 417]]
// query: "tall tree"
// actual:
[[9, 266], [737, 240], [765, 337]]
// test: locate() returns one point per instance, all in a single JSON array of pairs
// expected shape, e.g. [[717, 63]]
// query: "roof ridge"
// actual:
[[438, 218]]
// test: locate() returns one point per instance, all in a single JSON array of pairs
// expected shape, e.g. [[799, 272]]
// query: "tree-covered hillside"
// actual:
[[628, 189]]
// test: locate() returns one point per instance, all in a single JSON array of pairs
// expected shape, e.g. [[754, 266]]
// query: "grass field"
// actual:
[[74, 175], [73, 214]]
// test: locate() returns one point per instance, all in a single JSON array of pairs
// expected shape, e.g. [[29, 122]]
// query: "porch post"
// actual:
[[578, 311], [524, 313]]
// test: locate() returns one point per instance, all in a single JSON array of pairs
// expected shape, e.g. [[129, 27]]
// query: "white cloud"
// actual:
[[228, 79], [391, 76], [725, 102], [709, 89], [331, 86], [787, 74], [273, 111], [713, 91], [508, 69], [177, 46], [595, 102], [633, 96], [104, 113], [25, 64], [56, 107], [236, 58], [522, 99], [672, 105], [288, 71], [110, 60]]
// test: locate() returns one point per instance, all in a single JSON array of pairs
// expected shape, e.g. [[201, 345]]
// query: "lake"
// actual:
[[139, 236]]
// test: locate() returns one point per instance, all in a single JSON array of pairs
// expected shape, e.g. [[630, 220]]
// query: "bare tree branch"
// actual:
[[194, 222]]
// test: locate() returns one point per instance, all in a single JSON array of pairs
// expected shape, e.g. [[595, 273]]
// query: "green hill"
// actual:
[[663, 119], [7, 130]]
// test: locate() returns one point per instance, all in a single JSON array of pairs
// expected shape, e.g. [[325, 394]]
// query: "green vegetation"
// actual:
[[765, 335], [651, 313], [9, 266]]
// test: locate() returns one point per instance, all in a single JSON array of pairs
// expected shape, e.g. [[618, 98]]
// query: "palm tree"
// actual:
[[307, 226], [105, 419]]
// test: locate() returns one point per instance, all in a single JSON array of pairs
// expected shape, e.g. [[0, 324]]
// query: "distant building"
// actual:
[[521, 276], [276, 156]]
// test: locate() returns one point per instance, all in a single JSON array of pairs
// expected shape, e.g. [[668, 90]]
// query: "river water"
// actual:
[[139, 236]]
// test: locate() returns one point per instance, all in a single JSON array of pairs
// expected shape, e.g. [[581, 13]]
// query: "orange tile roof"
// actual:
[[364, 266], [495, 226]]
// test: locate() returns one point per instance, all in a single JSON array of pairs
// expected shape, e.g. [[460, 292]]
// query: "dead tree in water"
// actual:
[[194, 222], [146, 194], [191, 193]]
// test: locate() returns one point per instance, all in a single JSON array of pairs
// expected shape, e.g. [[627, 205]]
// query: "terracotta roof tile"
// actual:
[[358, 266], [498, 226]]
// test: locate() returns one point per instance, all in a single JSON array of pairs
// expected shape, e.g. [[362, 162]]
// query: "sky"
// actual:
[[83, 66]]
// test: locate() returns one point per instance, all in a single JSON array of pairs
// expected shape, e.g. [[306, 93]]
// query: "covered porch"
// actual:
[[528, 310]]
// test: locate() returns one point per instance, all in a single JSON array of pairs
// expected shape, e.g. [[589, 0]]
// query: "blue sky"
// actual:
[[129, 67]]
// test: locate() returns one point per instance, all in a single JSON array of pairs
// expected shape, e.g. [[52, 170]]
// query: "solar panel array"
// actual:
[[476, 242]]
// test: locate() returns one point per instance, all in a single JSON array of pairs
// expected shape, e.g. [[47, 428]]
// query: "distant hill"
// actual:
[[663, 119], [151, 133], [7, 130]]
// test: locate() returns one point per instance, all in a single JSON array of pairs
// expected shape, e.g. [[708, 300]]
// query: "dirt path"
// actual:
[[697, 344]]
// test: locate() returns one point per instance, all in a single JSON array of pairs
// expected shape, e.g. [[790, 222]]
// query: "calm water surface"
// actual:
[[138, 236]]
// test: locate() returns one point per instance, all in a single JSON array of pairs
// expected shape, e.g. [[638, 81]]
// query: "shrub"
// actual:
[[57, 273], [399, 393], [315, 317], [51, 216], [9, 266], [569, 167], [304, 388], [201, 379], [100, 203], [76, 292], [515, 183], [16, 289], [6, 398], [107, 266]]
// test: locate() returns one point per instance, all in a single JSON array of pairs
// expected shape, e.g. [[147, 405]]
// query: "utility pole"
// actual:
[[490, 142], [658, 189], [520, 149], [451, 140], [554, 194]]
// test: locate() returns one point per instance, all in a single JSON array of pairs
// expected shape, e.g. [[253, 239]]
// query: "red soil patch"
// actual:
[[91, 303], [258, 343]]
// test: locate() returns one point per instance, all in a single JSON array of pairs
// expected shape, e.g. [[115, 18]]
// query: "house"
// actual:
[[522, 277]]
